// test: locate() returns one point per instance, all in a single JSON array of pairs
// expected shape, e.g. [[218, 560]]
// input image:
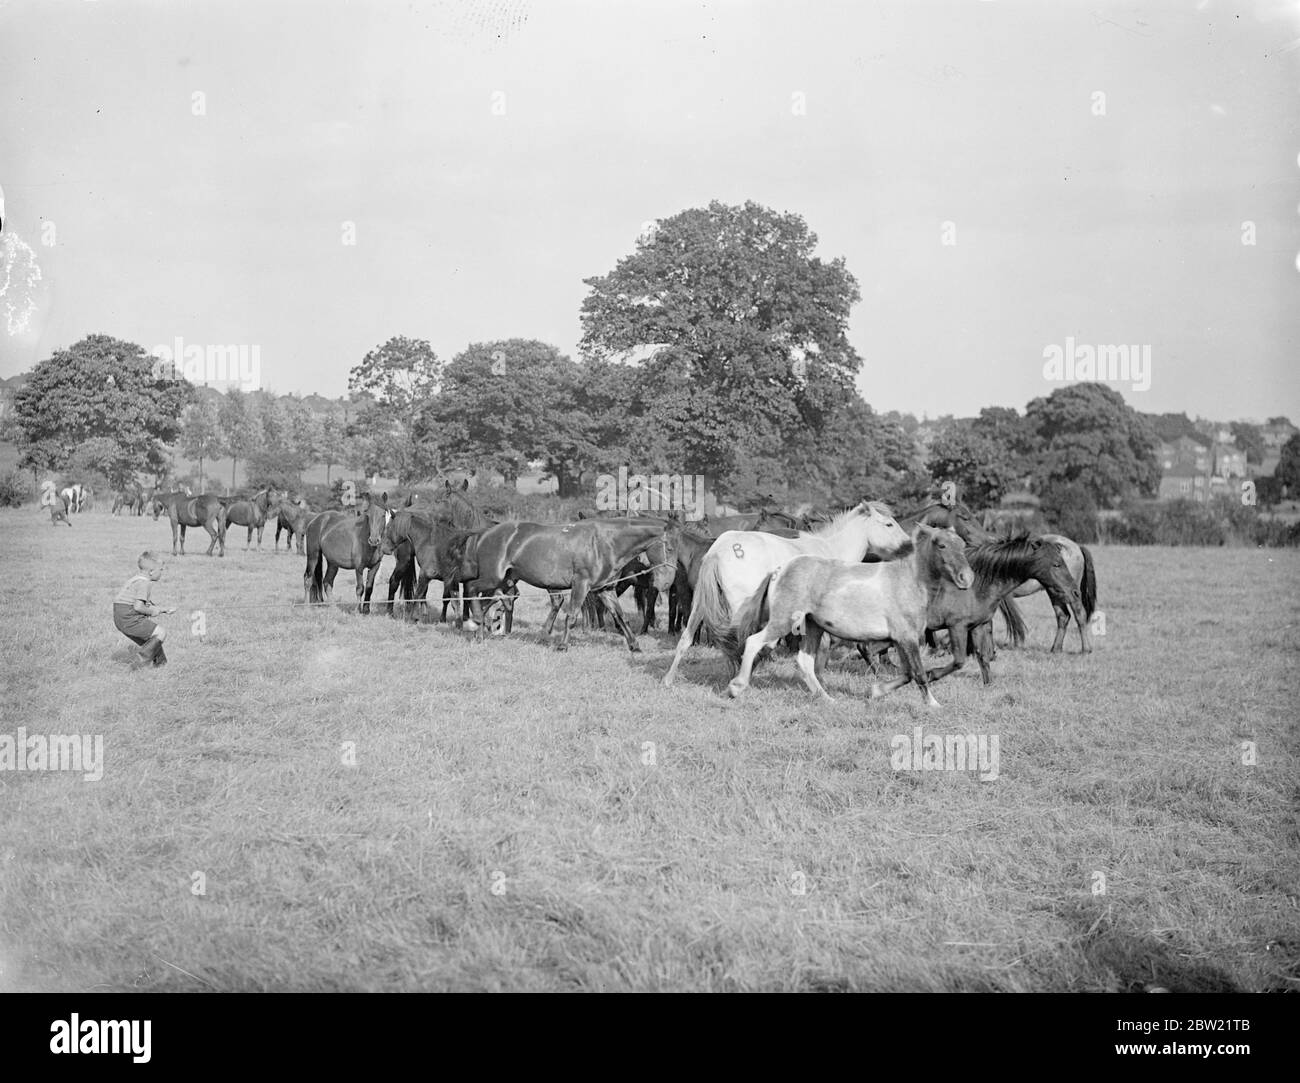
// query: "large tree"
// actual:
[[1089, 435], [239, 428], [201, 434], [102, 394], [1288, 467], [504, 404], [982, 468], [395, 385], [732, 302]]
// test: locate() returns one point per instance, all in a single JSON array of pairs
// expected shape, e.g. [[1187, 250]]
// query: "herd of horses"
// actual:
[[743, 583]]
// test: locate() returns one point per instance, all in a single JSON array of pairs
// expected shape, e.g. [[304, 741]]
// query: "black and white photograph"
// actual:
[[664, 496]]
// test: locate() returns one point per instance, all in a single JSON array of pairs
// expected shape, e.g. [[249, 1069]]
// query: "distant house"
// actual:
[[1229, 461], [1193, 451], [1275, 435], [1184, 482]]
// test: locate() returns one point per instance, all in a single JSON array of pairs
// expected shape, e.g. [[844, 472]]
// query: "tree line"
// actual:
[[717, 346]]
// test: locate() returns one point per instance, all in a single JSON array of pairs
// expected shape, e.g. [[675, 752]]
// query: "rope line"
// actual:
[[552, 594]]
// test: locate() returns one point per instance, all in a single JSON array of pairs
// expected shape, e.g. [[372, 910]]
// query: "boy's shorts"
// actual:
[[135, 626]]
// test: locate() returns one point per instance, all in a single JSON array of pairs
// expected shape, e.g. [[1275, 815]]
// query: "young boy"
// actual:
[[132, 610]]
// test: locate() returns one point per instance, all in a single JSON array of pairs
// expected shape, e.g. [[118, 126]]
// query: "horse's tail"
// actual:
[[1088, 586], [1015, 622], [315, 575], [714, 612], [221, 522], [406, 586]]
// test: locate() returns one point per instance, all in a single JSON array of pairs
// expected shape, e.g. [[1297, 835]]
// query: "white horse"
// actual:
[[739, 562], [72, 498]]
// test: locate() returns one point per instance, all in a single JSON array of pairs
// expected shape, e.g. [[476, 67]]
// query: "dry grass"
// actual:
[[506, 759]]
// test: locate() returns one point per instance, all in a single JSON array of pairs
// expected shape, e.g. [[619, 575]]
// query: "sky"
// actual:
[[1006, 181]]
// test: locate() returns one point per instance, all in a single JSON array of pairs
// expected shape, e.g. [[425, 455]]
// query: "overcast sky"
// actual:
[[493, 154]]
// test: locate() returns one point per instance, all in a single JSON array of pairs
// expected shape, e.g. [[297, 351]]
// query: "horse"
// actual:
[[340, 539], [813, 594], [691, 549], [583, 557], [72, 498], [1000, 567], [58, 511], [423, 538], [740, 562], [252, 513], [205, 510], [130, 498], [292, 516], [1082, 603]]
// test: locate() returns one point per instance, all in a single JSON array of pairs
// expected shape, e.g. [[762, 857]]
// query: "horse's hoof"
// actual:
[[470, 626], [634, 648], [932, 703], [875, 692], [734, 689]]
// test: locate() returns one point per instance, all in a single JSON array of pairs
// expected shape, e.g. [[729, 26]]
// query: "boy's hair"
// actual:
[[148, 559]]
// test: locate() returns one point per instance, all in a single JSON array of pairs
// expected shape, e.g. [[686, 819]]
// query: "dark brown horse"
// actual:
[[341, 539], [1000, 567], [292, 516], [423, 539], [253, 513], [692, 546], [584, 557], [205, 510]]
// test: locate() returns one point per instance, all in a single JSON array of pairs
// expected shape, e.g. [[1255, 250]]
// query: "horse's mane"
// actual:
[[837, 520], [1005, 559]]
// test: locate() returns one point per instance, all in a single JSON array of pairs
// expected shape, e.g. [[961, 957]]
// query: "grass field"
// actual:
[[521, 819]]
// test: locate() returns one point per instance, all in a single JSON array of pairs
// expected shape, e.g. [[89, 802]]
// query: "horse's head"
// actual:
[[885, 538], [663, 556], [943, 555], [963, 520], [398, 522], [156, 505], [376, 514], [1050, 570]]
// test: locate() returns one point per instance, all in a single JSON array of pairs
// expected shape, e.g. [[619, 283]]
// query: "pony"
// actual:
[[739, 564], [340, 539], [810, 595], [205, 510], [583, 557], [292, 516], [252, 513], [131, 499], [422, 539], [1082, 603], [1000, 567]]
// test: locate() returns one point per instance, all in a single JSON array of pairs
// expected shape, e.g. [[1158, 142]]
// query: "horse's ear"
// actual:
[[464, 486], [447, 484]]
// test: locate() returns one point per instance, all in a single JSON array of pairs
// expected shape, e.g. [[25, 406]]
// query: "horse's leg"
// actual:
[[512, 593], [620, 621], [981, 643], [399, 569], [362, 606], [693, 622], [331, 570], [574, 611], [651, 596], [371, 573], [957, 634], [807, 660], [182, 532], [212, 535], [1062, 624], [909, 654], [557, 600], [764, 637]]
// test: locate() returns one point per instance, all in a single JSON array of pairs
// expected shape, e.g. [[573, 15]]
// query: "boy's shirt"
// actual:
[[135, 589]]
